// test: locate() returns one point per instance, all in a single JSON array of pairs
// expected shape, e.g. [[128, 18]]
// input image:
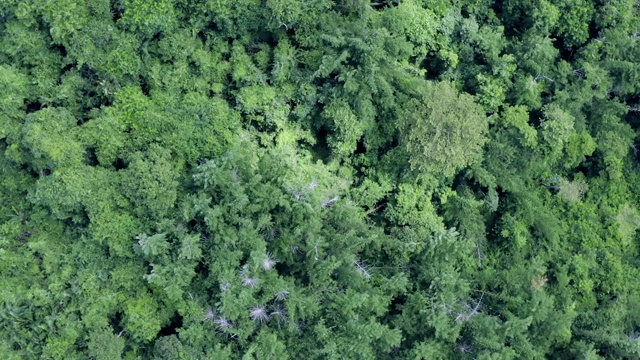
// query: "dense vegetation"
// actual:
[[319, 179]]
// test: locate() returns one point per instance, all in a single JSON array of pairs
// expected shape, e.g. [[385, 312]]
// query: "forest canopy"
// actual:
[[319, 179]]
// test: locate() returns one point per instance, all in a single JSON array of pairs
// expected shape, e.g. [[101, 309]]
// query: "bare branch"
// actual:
[[223, 324], [279, 314], [250, 282], [259, 314], [330, 202], [282, 295], [210, 314], [363, 270], [471, 313], [269, 262]]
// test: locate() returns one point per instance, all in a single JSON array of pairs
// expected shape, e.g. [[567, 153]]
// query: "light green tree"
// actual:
[[628, 220], [105, 345], [572, 191], [444, 131]]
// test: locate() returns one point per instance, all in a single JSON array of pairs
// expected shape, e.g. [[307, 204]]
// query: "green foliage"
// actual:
[[12, 103], [48, 136], [148, 17], [518, 117], [142, 318], [319, 179], [556, 130], [628, 219], [151, 182], [444, 131], [574, 19], [168, 348], [104, 345], [572, 191], [346, 126]]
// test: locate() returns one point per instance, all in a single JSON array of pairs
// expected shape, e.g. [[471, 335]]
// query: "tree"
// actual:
[[104, 345], [628, 220], [148, 17], [151, 182], [226, 179], [12, 103], [556, 129], [49, 136], [168, 348], [574, 20], [443, 131], [572, 191], [143, 320]]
